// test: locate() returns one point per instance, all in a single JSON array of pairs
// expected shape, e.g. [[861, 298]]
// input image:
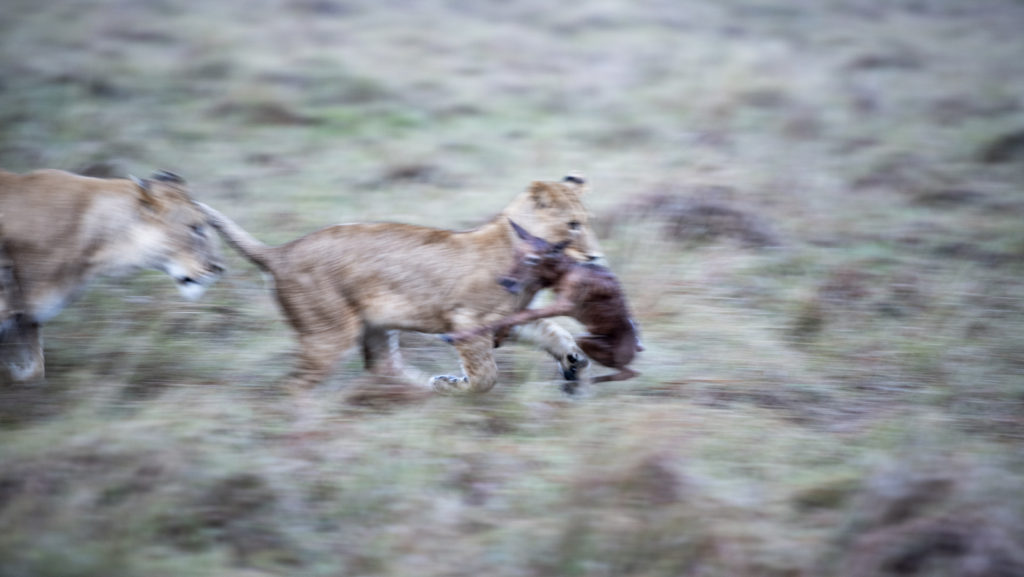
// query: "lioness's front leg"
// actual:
[[21, 350], [21, 342], [478, 365]]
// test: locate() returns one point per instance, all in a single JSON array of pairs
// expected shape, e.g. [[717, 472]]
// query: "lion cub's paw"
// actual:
[[449, 384], [572, 365]]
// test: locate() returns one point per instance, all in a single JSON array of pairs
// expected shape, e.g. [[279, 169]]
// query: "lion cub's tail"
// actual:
[[242, 241]]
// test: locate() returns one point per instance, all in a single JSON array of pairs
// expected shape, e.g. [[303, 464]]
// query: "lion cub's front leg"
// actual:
[[559, 344], [477, 355]]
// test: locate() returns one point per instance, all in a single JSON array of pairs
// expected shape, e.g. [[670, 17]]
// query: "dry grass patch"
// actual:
[[814, 210]]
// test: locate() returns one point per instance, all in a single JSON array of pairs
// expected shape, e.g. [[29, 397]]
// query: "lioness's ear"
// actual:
[[145, 189], [575, 179], [167, 176]]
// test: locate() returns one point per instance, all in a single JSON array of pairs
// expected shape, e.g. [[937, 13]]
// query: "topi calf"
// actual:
[[587, 292]]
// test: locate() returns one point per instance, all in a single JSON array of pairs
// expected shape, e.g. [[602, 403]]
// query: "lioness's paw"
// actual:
[[572, 365], [449, 384]]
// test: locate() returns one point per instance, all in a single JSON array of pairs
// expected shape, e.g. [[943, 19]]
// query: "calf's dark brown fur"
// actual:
[[586, 292]]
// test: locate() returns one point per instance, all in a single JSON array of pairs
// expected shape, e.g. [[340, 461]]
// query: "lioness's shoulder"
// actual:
[[43, 179], [47, 186], [43, 174]]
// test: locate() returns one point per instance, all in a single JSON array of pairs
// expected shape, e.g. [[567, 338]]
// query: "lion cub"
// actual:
[[352, 284], [589, 293]]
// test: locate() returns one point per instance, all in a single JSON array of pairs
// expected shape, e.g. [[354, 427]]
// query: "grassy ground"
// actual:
[[816, 212]]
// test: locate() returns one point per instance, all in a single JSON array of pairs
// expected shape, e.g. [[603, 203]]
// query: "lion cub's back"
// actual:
[[398, 273]]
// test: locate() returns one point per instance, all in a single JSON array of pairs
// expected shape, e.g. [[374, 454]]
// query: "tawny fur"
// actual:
[[586, 292], [59, 230], [355, 284]]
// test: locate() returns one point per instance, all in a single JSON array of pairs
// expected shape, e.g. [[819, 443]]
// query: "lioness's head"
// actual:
[[175, 235], [554, 211]]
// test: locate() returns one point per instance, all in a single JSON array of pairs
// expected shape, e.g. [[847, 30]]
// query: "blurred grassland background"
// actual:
[[817, 210]]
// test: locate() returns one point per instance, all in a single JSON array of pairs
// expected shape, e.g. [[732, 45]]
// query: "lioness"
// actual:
[[59, 230], [349, 282]]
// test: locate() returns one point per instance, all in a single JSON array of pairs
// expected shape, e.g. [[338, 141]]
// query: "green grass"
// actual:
[[844, 401]]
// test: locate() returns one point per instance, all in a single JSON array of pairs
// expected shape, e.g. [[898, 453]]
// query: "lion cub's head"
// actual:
[[174, 234], [554, 211]]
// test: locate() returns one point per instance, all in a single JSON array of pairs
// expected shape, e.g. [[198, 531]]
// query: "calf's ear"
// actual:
[[520, 231], [538, 244]]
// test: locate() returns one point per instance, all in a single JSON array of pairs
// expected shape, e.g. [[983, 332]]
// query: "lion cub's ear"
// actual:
[[541, 194], [575, 179]]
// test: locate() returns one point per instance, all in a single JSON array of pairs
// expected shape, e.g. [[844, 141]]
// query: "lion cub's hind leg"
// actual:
[[319, 352], [383, 357]]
